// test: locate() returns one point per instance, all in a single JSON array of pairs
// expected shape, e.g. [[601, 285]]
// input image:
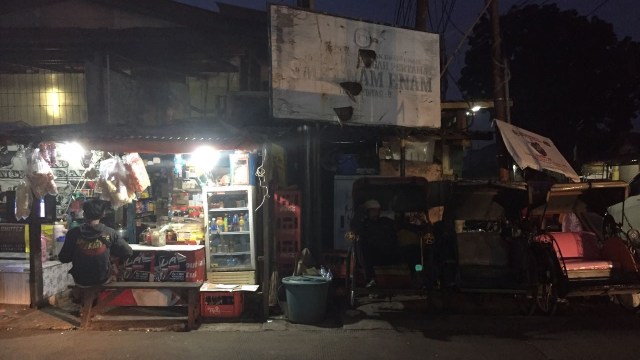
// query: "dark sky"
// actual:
[[623, 14]]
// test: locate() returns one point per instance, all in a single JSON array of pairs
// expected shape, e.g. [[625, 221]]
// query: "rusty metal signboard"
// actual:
[[334, 69]]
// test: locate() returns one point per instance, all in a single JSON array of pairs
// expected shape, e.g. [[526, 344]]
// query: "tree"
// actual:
[[571, 79]]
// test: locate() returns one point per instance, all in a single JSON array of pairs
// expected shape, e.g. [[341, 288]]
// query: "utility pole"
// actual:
[[499, 100], [422, 14]]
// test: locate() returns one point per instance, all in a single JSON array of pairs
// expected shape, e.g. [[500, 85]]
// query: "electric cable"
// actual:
[[446, 65], [604, 2], [261, 174]]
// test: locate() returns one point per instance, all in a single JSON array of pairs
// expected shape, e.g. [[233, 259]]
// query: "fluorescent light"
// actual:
[[52, 102], [72, 152], [205, 158], [476, 108]]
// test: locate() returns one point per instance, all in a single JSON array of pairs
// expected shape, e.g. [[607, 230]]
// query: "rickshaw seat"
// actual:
[[580, 255]]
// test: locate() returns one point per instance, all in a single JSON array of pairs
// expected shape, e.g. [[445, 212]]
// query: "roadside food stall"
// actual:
[[188, 215]]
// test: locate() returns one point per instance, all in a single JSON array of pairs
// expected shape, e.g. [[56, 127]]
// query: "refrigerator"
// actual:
[[230, 235], [342, 208]]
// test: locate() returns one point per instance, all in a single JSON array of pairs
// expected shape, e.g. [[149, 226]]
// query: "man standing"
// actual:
[[90, 247]]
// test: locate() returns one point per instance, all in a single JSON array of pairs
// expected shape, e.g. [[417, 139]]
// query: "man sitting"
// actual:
[[377, 242]]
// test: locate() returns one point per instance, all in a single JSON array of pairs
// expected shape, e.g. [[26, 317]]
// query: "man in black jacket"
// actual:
[[90, 247]]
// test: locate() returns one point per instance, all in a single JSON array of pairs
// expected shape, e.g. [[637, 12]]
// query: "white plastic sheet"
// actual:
[[530, 150]]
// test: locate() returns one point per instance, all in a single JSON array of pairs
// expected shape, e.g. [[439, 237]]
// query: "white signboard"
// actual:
[[530, 150], [334, 69]]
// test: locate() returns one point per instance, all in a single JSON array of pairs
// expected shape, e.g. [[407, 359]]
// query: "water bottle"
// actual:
[[323, 271], [329, 275]]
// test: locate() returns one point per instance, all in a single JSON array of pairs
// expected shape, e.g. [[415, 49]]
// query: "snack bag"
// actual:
[[137, 172], [112, 183], [23, 201], [40, 175]]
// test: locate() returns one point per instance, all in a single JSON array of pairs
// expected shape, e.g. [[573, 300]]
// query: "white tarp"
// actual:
[[323, 66], [631, 219], [530, 150]]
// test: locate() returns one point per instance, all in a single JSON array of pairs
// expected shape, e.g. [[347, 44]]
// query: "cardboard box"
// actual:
[[139, 266], [180, 266], [239, 167]]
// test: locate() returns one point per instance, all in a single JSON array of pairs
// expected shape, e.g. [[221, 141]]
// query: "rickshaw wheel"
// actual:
[[527, 303], [546, 291], [629, 301], [546, 298], [351, 277]]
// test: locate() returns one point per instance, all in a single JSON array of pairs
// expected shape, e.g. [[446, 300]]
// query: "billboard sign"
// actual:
[[334, 69]]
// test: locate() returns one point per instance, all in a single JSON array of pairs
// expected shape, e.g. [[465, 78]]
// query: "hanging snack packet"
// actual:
[[137, 172], [40, 175], [23, 201]]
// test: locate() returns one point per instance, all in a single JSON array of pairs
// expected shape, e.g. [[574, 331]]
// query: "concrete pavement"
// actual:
[[587, 332]]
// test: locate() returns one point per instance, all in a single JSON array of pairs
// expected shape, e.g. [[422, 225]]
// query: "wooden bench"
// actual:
[[189, 291]]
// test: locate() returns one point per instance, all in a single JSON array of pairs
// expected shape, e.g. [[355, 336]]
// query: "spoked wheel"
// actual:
[[526, 302], [547, 298], [351, 278], [630, 302], [546, 291]]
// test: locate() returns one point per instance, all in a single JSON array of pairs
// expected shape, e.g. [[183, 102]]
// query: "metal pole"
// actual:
[[422, 14], [307, 198], [36, 283], [498, 87], [267, 239]]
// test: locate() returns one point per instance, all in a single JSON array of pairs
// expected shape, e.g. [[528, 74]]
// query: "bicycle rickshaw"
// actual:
[[536, 241], [406, 201]]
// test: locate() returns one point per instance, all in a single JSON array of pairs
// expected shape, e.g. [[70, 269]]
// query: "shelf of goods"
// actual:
[[229, 238]]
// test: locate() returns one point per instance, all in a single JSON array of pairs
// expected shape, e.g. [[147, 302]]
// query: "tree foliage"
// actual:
[[571, 78]]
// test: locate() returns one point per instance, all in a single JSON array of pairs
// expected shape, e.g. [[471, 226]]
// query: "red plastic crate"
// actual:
[[287, 198], [288, 221], [221, 304]]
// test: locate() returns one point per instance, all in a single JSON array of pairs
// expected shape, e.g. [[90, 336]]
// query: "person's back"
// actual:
[[90, 247]]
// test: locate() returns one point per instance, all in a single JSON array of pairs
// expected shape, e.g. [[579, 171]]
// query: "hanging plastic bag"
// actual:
[[138, 177], [113, 182], [48, 152], [40, 175], [23, 201]]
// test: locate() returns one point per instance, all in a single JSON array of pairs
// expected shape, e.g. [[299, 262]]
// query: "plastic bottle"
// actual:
[[323, 271], [236, 226], [229, 220], [241, 223], [329, 275], [226, 223], [219, 224]]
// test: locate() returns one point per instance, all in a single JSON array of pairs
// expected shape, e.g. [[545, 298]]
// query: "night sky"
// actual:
[[623, 14]]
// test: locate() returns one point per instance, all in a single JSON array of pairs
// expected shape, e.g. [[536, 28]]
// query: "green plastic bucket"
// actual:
[[306, 298]]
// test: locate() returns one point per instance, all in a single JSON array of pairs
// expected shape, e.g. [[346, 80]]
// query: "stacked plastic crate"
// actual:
[[287, 230]]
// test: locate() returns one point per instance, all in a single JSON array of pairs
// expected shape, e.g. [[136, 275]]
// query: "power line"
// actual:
[[604, 2], [466, 35]]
